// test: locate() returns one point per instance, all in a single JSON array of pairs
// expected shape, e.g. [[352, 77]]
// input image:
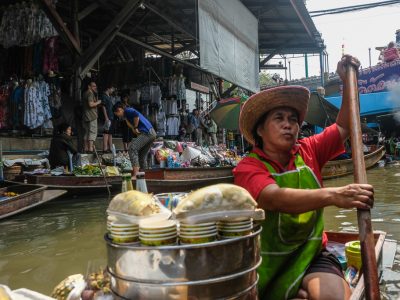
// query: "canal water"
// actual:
[[40, 248]]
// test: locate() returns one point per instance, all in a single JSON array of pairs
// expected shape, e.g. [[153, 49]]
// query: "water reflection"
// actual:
[[41, 247], [385, 216]]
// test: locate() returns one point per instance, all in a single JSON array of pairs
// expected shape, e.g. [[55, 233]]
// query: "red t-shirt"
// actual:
[[316, 150]]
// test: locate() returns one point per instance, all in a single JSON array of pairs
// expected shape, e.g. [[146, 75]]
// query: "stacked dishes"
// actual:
[[197, 233], [123, 233], [109, 221], [234, 228], [158, 233]]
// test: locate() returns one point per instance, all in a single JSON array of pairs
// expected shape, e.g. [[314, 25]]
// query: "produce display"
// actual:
[[134, 203], [217, 197], [88, 170], [76, 287], [98, 284], [10, 194], [69, 288]]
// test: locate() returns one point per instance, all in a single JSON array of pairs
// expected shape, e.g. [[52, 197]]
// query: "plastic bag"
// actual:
[[217, 202], [135, 206]]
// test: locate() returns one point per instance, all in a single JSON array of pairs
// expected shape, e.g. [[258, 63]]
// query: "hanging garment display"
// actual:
[[50, 60], [17, 107], [155, 94], [54, 96], [172, 107], [180, 88], [44, 93], [161, 123], [172, 85], [37, 109], [173, 126], [24, 24]]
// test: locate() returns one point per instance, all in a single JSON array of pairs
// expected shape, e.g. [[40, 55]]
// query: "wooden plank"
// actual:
[[60, 26]]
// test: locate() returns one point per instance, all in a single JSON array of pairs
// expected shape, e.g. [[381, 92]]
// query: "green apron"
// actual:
[[289, 242]]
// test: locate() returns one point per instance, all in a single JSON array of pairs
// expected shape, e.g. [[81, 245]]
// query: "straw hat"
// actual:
[[257, 105]]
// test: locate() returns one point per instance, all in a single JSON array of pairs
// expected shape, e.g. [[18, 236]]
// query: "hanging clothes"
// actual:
[[24, 24], [173, 126], [155, 94], [172, 107], [50, 60], [44, 93], [16, 107], [180, 88], [33, 115], [172, 85], [161, 123]]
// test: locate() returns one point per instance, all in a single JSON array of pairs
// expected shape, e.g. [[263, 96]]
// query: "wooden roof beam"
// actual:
[[87, 11], [58, 23], [168, 20], [96, 49]]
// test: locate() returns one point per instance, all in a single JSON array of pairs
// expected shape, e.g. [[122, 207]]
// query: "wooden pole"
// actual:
[[101, 170], [370, 272]]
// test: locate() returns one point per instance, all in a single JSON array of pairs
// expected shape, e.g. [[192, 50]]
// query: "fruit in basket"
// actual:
[[73, 285], [98, 283], [217, 197], [134, 203], [10, 194]]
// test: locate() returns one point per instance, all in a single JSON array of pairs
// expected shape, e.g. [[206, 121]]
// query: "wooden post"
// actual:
[[60, 26], [370, 272]]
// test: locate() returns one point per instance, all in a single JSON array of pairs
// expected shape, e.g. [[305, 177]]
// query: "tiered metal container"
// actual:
[[223, 269]]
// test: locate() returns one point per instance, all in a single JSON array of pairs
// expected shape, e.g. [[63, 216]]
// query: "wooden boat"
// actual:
[[185, 179], [28, 196], [188, 173], [380, 245], [342, 167], [74, 184], [157, 186]]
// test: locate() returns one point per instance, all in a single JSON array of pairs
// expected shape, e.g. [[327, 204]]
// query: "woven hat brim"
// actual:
[[256, 106]]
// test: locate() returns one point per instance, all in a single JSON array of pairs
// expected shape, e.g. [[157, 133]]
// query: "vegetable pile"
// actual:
[[87, 170]]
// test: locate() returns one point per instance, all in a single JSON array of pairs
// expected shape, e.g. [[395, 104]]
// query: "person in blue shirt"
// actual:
[[142, 128]]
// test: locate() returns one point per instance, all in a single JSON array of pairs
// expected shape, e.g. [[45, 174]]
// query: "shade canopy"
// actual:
[[226, 112]]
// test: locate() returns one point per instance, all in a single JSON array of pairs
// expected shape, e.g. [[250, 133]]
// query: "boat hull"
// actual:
[[75, 184], [344, 237], [157, 186], [338, 168], [29, 196]]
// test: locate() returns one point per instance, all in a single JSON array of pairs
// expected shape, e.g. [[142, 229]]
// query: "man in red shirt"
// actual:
[[284, 176]]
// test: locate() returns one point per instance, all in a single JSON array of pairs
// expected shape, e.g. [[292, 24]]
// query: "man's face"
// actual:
[[280, 129], [93, 87], [119, 112]]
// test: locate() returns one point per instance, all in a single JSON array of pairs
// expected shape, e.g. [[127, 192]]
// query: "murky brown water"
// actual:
[[41, 247]]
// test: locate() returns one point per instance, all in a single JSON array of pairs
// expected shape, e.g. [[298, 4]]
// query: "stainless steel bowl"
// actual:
[[183, 263], [242, 285]]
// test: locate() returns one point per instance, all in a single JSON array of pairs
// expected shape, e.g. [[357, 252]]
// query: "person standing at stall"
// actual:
[[145, 135], [284, 175], [90, 103], [108, 119]]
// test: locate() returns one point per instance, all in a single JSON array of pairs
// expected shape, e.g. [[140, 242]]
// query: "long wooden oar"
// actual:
[[101, 170], [370, 272]]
